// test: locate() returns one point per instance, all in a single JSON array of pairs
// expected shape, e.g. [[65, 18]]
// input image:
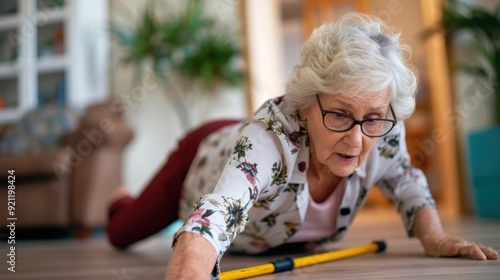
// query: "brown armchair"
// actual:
[[65, 190]]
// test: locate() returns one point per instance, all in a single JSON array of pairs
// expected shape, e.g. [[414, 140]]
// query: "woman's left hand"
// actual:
[[447, 246], [438, 244]]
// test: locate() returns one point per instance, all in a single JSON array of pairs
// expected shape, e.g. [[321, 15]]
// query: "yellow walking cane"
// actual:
[[288, 264]]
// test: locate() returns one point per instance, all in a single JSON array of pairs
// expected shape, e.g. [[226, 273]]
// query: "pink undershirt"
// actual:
[[320, 220]]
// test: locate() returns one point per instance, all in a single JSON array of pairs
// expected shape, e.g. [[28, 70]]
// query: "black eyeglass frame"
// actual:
[[355, 121]]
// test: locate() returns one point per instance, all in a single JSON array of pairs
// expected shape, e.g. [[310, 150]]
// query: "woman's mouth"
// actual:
[[346, 157]]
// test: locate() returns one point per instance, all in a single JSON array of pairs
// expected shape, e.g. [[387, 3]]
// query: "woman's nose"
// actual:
[[354, 137]]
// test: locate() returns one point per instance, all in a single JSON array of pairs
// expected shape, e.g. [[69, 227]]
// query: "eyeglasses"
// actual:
[[340, 122]]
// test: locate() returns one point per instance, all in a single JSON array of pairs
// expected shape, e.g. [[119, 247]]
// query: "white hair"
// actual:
[[355, 56]]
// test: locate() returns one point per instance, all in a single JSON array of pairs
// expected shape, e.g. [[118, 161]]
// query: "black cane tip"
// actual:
[[381, 245]]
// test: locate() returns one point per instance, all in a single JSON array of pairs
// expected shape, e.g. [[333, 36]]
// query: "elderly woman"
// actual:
[[301, 166]]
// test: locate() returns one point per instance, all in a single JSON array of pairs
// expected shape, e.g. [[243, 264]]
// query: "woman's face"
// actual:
[[342, 152]]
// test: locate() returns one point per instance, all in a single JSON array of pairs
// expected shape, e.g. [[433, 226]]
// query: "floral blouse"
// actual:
[[249, 180]]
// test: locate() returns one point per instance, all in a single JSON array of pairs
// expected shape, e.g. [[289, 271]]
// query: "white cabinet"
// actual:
[[52, 51]]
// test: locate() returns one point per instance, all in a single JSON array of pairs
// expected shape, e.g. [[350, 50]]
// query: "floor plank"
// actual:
[[403, 259]]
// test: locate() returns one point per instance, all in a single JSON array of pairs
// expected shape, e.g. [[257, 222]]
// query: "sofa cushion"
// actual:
[[39, 130]]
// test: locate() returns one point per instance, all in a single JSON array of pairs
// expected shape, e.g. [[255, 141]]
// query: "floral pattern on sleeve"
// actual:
[[274, 126], [403, 184], [279, 173], [294, 140], [250, 171], [242, 147], [220, 218], [390, 146], [236, 217]]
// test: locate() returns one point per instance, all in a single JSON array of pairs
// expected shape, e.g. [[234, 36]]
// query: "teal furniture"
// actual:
[[484, 160]]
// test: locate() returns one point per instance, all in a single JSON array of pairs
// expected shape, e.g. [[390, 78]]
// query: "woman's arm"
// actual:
[[193, 258], [436, 243]]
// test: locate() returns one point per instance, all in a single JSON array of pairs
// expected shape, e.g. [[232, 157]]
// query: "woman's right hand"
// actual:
[[193, 258]]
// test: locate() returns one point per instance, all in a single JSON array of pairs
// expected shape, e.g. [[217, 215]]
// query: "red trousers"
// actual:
[[133, 219]]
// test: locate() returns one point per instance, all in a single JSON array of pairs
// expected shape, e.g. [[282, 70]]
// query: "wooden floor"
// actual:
[[403, 259]]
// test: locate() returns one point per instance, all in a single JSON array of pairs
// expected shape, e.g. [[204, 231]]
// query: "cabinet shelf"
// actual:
[[52, 63], [8, 70], [9, 22], [51, 16], [10, 114]]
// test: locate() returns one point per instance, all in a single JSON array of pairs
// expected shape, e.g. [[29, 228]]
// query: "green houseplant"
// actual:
[[187, 50], [484, 146]]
